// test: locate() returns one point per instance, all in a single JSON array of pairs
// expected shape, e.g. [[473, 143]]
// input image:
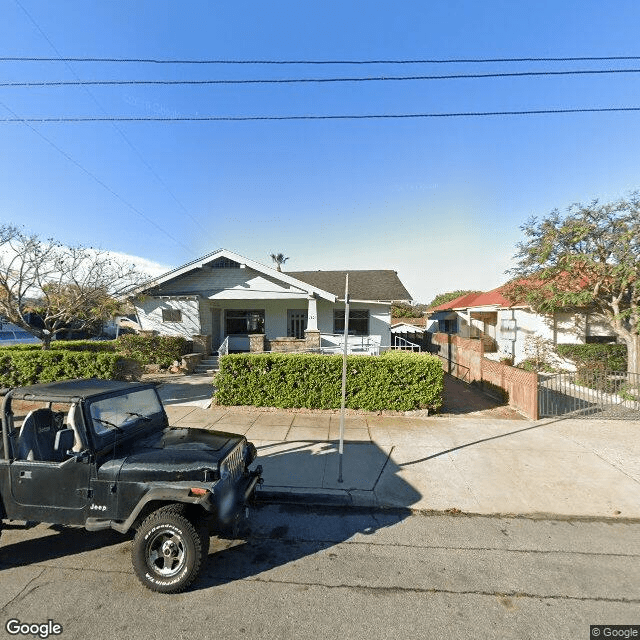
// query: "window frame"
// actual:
[[167, 313], [357, 315], [252, 326]]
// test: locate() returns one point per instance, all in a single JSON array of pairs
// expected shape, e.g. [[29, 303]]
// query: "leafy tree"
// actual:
[[447, 297], [65, 286], [589, 259], [400, 310], [279, 259]]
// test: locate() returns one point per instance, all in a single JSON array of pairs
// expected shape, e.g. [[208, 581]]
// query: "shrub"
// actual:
[[595, 356], [160, 350], [18, 368], [94, 346], [393, 381]]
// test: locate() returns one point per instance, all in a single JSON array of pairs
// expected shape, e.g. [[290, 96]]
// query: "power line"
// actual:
[[459, 76], [389, 116], [318, 62], [93, 176], [115, 126]]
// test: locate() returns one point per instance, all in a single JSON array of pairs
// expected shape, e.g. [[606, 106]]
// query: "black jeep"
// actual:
[[101, 454]]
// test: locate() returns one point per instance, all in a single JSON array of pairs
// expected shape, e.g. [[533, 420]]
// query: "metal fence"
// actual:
[[590, 394]]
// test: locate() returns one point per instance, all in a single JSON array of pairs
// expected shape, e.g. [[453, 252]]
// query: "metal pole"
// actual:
[[344, 376]]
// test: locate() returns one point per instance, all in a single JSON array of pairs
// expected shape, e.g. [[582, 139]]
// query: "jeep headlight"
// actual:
[[225, 472]]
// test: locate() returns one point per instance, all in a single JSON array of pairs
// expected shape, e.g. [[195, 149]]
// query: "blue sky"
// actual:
[[439, 200]]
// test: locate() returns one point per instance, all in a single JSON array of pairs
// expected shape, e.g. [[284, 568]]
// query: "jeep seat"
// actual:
[[37, 437], [74, 418]]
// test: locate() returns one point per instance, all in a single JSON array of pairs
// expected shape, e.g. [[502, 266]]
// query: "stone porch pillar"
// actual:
[[256, 343]]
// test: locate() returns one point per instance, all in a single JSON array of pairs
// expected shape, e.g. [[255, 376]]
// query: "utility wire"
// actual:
[[461, 114], [459, 76], [319, 62], [115, 126], [93, 177]]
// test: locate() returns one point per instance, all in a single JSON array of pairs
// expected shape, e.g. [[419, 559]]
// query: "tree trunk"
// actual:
[[46, 341], [633, 354]]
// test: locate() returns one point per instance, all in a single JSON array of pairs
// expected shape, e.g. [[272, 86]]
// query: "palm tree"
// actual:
[[279, 259]]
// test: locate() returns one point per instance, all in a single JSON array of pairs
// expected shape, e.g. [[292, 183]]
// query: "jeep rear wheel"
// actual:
[[167, 552]]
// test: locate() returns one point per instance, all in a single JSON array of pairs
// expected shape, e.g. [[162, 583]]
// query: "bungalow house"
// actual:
[[229, 302], [508, 329]]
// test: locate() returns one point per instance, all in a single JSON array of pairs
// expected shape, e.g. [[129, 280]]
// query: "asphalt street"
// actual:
[[300, 572]]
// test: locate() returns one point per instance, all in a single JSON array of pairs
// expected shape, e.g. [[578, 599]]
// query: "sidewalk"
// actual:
[[561, 468]]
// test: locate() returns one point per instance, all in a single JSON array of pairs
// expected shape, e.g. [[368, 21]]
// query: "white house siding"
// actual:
[[150, 315], [379, 321]]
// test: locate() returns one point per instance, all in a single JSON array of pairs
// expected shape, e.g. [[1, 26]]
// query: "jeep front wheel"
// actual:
[[167, 552]]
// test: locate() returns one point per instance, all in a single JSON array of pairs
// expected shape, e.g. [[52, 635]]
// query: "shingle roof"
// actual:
[[363, 285]]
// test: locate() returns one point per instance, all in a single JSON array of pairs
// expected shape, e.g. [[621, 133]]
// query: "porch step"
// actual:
[[208, 365]]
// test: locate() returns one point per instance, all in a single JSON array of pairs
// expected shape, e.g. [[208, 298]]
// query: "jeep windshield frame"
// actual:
[[117, 416]]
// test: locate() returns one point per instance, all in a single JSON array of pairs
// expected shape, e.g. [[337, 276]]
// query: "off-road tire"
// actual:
[[167, 552], [203, 530]]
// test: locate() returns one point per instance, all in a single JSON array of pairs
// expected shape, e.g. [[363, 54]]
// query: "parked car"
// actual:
[[11, 335], [101, 454]]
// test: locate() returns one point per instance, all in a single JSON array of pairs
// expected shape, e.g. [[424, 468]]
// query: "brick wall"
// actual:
[[521, 385], [464, 359], [461, 357]]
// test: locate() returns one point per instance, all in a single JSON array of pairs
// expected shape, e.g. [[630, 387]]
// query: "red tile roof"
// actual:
[[456, 303], [486, 299]]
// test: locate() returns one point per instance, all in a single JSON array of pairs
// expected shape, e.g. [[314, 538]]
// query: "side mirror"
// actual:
[[64, 440]]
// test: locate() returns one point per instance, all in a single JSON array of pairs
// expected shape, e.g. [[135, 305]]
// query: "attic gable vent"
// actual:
[[224, 263]]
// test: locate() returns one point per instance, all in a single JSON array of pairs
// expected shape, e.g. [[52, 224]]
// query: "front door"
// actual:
[[296, 323]]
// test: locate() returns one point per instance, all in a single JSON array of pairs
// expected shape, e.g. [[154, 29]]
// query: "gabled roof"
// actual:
[[378, 285], [230, 255]]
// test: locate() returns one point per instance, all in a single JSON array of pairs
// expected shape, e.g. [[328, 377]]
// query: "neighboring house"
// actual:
[[409, 329], [510, 329], [224, 296]]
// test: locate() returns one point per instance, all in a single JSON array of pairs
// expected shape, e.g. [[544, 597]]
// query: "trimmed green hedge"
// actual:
[[95, 346], [160, 350], [392, 381], [596, 356], [18, 368]]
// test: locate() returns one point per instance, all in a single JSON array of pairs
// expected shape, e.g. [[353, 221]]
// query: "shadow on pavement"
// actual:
[[68, 541], [301, 530]]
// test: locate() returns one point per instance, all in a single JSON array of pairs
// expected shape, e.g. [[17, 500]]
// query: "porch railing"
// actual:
[[402, 344], [223, 349]]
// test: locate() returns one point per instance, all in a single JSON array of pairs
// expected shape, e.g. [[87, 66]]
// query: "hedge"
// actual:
[[392, 381], [18, 368], [595, 356], [160, 350]]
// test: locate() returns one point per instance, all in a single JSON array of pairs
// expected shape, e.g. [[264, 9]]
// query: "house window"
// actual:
[[171, 315], [358, 322], [448, 325], [244, 321]]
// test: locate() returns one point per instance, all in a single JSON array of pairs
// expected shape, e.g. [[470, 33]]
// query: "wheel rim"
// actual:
[[166, 553]]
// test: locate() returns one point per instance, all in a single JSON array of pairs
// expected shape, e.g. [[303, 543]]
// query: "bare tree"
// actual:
[[279, 259], [65, 286]]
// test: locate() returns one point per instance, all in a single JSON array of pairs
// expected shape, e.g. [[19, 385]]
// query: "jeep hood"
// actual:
[[172, 455]]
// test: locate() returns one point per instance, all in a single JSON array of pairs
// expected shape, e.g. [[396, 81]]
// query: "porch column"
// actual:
[[312, 314], [311, 334]]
